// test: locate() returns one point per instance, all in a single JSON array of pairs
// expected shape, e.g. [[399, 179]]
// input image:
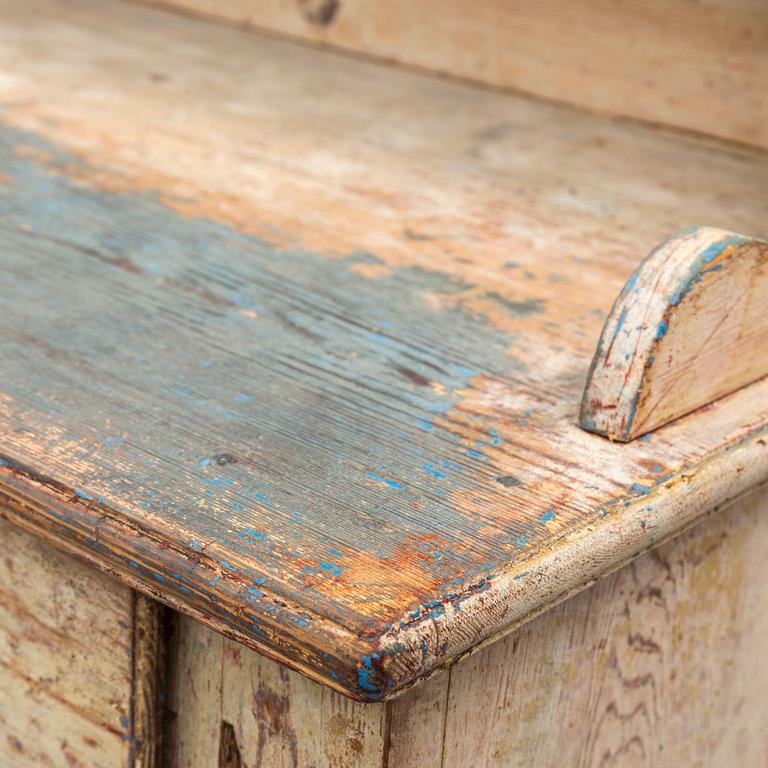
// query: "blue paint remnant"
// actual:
[[158, 577], [213, 581], [204, 462], [336, 570], [225, 564], [335, 552], [254, 594], [430, 470], [522, 540], [475, 454], [662, 329], [639, 490], [547, 516], [364, 673], [632, 280], [427, 426], [384, 481], [84, 495], [522, 575], [713, 251], [697, 271], [125, 721], [620, 323]]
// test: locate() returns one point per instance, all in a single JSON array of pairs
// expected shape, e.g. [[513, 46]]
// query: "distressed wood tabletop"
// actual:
[[295, 343]]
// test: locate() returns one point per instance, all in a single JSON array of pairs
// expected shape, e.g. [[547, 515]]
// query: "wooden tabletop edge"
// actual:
[[432, 636]]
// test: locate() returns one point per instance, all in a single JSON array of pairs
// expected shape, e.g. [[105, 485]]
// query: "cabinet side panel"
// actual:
[[664, 663], [285, 720], [233, 708], [194, 696], [417, 725], [65, 659]]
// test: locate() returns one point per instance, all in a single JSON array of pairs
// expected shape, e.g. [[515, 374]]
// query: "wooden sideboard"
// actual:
[[292, 353]]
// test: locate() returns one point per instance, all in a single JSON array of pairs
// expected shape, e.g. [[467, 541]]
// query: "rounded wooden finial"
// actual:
[[690, 326]]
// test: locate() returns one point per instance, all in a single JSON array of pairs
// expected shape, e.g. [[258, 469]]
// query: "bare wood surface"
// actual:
[[302, 355], [662, 664], [417, 721], [65, 660], [224, 695], [700, 66], [194, 697], [690, 326]]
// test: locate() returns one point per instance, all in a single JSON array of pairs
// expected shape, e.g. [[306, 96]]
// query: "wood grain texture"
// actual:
[[663, 664], [272, 717], [65, 660], [301, 356], [690, 325], [700, 66], [149, 676], [193, 739]]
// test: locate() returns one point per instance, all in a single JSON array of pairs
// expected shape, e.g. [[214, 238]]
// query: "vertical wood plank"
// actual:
[[149, 681], [65, 659], [234, 708], [664, 663], [282, 719], [194, 696], [417, 725]]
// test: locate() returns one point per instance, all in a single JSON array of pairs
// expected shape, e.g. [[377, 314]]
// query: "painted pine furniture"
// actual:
[[295, 345]]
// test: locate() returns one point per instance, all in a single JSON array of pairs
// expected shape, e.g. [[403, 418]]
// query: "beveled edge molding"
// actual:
[[689, 326]]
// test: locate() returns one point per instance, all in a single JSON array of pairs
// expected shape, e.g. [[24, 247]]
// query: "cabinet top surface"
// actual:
[[296, 342]]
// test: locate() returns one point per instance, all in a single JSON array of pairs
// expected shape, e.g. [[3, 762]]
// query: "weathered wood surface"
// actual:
[[150, 681], [700, 66], [662, 664], [232, 708], [690, 325], [301, 356], [65, 660]]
